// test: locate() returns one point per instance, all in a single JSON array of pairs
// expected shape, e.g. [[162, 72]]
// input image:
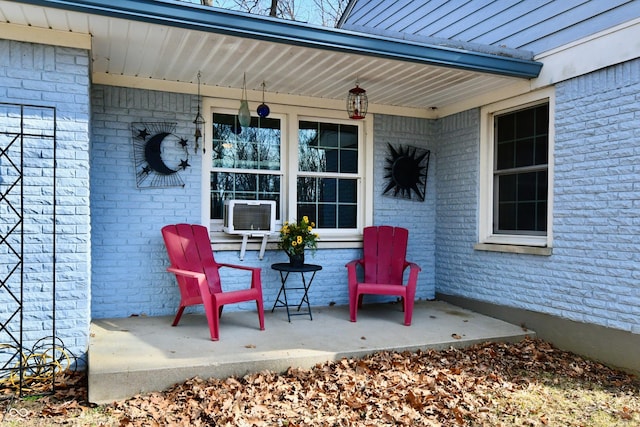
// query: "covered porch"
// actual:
[[141, 354]]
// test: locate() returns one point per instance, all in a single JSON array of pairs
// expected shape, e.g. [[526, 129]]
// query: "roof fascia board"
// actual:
[[614, 45], [202, 18]]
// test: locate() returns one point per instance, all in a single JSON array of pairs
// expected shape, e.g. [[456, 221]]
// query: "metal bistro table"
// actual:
[[285, 269]]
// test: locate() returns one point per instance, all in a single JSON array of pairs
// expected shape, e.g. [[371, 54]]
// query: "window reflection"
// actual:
[[254, 151]]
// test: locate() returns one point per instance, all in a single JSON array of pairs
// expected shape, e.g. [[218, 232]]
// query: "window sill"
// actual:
[[516, 249], [233, 242]]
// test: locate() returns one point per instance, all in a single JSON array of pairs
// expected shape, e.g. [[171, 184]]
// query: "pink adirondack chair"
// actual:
[[196, 270], [384, 263]]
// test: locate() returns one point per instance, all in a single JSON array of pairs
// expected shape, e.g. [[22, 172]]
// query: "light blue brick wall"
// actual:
[[129, 258], [129, 269], [417, 216], [55, 78], [593, 274]]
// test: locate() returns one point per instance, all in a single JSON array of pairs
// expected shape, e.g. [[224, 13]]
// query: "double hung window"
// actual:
[[516, 172], [520, 174], [327, 181], [310, 165]]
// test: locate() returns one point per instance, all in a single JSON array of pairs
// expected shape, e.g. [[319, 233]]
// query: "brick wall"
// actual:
[[417, 216], [592, 276], [48, 79], [597, 197], [129, 259]]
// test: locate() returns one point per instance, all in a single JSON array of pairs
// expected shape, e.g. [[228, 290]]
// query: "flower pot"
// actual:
[[296, 260]]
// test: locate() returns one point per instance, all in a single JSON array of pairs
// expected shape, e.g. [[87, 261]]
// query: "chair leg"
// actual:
[[408, 311], [214, 326], [178, 316], [353, 307], [260, 308], [212, 311]]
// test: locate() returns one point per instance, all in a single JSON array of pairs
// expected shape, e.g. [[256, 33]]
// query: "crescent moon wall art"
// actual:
[[159, 154], [406, 172]]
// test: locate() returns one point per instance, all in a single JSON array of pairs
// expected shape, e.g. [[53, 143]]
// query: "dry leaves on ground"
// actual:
[[527, 383]]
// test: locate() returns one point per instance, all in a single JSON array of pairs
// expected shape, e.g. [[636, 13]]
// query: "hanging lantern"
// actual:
[[357, 103], [263, 109], [244, 116], [198, 121]]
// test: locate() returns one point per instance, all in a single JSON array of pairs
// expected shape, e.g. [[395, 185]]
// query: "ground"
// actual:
[[529, 383]]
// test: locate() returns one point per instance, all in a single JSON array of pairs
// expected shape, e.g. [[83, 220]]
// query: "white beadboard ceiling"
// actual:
[[136, 51]]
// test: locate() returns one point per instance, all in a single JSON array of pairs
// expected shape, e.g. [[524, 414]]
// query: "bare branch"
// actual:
[[324, 12]]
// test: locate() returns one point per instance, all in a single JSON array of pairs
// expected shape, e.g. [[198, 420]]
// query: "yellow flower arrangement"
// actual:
[[295, 236]]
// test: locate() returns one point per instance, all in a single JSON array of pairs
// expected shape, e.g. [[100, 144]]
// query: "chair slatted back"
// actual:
[[189, 248], [385, 250]]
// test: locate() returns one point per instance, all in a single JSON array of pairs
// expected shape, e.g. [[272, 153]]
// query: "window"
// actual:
[[245, 161], [520, 171], [516, 171], [311, 162], [327, 183]]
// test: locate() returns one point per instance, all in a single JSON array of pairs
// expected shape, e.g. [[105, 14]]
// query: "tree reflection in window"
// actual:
[[246, 164], [327, 179]]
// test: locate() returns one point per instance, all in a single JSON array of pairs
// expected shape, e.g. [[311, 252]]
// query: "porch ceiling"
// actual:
[[165, 42]]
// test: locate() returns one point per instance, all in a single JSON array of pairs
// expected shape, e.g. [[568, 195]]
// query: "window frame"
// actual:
[[290, 117], [488, 114], [217, 224], [359, 176]]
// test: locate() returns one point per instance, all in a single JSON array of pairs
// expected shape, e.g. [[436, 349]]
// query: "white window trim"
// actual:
[[486, 237], [290, 116]]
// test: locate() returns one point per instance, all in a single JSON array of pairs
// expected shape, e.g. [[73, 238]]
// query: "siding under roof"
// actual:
[[531, 25]]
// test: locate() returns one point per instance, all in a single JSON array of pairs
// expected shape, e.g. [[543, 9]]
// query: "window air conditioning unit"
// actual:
[[253, 217]]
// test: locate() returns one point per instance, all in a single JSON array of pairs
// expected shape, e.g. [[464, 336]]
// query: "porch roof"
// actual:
[[148, 43]]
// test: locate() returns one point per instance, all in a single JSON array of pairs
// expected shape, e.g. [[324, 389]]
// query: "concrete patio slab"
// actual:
[[144, 354]]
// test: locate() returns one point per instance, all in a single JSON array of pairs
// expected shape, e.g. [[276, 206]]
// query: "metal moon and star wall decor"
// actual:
[[159, 154], [406, 172]]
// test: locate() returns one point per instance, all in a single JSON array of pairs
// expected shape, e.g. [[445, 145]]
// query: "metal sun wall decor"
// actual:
[[153, 142], [406, 171]]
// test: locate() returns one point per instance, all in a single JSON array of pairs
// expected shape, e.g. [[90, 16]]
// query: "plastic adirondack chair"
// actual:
[[384, 263], [197, 273]]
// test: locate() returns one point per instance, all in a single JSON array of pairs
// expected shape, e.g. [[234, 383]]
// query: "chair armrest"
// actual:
[[200, 280], [256, 279], [352, 274], [412, 266], [354, 263], [186, 273], [239, 267], [412, 282]]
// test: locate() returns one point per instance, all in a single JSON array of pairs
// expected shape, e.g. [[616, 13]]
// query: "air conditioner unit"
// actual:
[[254, 217]]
